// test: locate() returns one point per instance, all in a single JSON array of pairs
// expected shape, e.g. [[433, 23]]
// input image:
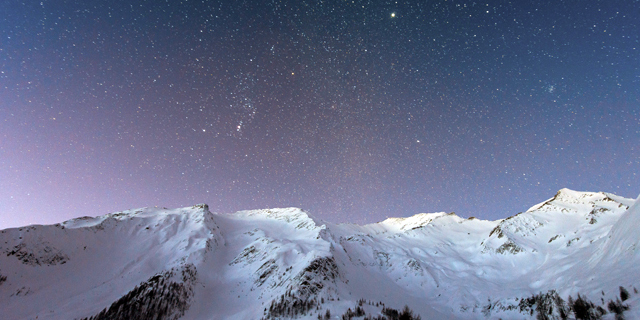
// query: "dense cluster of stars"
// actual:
[[352, 110]]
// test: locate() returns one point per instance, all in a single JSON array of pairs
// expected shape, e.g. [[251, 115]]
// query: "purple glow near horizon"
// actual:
[[340, 108]]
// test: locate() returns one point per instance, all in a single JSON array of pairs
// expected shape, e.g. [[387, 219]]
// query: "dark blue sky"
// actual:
[[352, 110]]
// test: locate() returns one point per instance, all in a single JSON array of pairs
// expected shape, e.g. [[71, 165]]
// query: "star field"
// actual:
[[352, 110]]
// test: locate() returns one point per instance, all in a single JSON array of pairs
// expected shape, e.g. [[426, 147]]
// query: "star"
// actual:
[[351, 117]]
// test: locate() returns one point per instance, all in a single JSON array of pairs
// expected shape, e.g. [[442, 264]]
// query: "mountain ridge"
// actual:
[[266, 263]]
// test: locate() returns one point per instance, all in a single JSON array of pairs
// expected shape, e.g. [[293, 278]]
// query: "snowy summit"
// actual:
[[574, 256]]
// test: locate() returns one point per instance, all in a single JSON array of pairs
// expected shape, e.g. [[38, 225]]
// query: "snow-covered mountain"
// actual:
[[574, 256]]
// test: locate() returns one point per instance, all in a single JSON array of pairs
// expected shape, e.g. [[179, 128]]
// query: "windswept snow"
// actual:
[[257, 263]]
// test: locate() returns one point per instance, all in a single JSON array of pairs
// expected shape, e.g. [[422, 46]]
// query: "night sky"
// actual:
[[352, 110]]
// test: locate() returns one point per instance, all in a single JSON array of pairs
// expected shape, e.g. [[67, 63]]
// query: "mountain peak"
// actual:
[[569, 199], [301, 218], [283, 263], [415, 221], [203, 206]]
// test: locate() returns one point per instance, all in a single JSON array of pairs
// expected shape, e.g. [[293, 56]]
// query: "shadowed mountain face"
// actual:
[[574, 256]]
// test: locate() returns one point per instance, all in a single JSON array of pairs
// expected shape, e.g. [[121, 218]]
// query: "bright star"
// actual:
[[393, 14]]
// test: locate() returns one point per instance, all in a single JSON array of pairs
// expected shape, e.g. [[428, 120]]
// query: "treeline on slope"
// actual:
[[545, 306], [290, 306], [162, 297], [387, 313], [393, 314], [550, 306]]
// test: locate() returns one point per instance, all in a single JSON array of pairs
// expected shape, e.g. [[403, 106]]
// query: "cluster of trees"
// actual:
[[393, 314], [550, 306], [46, 255], [617, 306], [547, 306], [327, 315], [159, 298], [358, 312], [386, 314], [290, 305]]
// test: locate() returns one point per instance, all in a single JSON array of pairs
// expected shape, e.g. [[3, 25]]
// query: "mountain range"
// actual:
[[574, 256]]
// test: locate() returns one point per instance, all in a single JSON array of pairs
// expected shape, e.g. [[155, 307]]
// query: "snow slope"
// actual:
[[189, 263]]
